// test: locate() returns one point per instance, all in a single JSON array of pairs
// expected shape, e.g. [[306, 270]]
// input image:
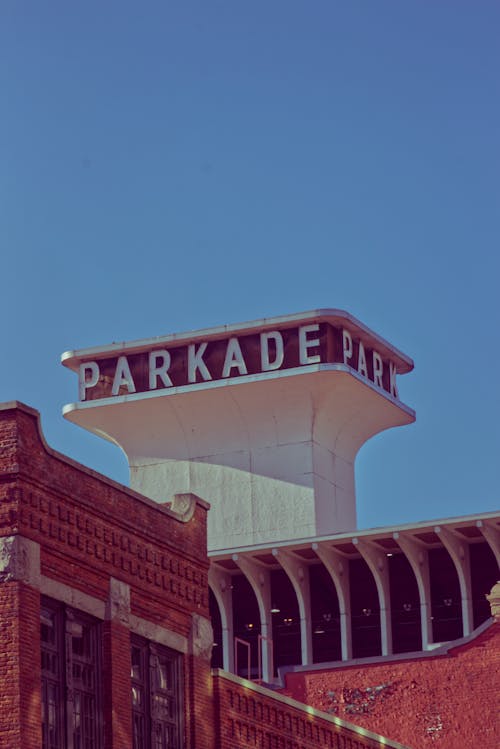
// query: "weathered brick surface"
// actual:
[[250, 717], [450, 701]]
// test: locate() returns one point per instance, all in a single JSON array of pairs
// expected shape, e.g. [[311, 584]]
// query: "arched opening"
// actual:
[[246, 626], [445, 597], [405, 605], [285, 620], [484, 574], [365, 611], [217, 653], [325, 616]]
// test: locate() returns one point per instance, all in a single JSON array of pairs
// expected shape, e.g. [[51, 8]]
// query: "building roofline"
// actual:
[[377, 532], [167, 508]]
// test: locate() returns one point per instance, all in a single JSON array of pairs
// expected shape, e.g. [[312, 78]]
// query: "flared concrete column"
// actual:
[[418, 558], [299, 577], [221, 587], [459, 552], [377, 562], [260, 581], [338, 569]]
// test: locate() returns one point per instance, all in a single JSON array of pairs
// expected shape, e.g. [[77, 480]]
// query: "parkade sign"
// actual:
[[308, 340]]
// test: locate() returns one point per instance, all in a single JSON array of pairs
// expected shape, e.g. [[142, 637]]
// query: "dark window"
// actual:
[[365, 610], [405, 605], [156, 696], [217, 652], [286, 621], [71, 710], [325, 617], [446, 598]]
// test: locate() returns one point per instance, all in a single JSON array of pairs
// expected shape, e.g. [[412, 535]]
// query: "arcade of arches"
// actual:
[[388, 591]]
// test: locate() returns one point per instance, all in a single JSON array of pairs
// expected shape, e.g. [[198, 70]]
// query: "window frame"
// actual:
[[151, 717], [71, 670]]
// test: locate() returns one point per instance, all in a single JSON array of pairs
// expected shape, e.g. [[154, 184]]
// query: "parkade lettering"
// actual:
[[200, 361]]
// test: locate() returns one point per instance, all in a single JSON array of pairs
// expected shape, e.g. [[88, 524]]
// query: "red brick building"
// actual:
[[448, 699], [104, 605], [228, 600], [104, 620]]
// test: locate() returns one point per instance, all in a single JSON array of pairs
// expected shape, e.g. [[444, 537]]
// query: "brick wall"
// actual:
[[249, 715], [116, 699], [93, 534], [200, 696], [449, 700], [91, 529], [19, 666]]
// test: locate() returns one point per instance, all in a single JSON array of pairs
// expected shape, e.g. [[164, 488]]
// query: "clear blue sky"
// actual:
[[166, 166]]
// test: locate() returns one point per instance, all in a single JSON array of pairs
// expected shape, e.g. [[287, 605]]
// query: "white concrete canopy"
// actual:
[[415, 541], [263, 420]]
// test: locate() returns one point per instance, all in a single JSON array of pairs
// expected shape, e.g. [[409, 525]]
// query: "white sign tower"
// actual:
[[263, 419]]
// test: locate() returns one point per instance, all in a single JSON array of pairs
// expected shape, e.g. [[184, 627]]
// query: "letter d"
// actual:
[[266, 364]]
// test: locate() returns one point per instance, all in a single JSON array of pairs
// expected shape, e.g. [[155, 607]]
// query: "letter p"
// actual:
[[88, 377]]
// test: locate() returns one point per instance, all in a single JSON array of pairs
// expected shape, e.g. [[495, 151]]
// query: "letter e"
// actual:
[[305, 344]]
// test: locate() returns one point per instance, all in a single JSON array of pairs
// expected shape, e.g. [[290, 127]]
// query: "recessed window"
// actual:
[[71, 667], [156, 696]]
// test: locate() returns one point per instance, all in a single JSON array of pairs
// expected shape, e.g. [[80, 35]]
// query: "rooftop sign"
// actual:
[[262, 419], [322, 339]]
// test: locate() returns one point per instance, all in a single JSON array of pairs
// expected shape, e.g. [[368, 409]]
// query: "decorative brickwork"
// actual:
[[135, 565], [252, 716], [91, 529]]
